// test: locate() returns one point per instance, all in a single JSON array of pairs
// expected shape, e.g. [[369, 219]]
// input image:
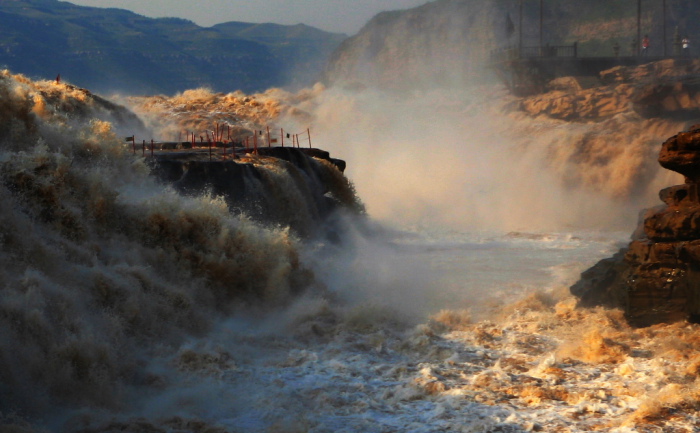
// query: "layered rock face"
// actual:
[[657, 277], [667, 88]]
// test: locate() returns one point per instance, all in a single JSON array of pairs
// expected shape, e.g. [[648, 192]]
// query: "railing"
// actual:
[[503, 54], [512, 53], [550, 51], [221, 137]]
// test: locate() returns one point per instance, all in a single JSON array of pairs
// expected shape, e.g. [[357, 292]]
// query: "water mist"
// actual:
[[459, 160]]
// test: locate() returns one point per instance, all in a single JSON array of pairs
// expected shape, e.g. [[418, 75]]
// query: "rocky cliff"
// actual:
[[668, 89], [657, 277], [289, 187], [441, 43], [449, 42]]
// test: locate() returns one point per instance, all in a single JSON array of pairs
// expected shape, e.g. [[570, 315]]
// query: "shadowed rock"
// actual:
[[279, 186], [656, 279]]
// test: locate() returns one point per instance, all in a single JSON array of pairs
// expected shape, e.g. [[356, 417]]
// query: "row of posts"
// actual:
[[217, 137], [681, 46]]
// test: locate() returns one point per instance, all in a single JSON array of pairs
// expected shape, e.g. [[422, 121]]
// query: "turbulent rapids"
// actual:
[[141, 296], [100, 261]]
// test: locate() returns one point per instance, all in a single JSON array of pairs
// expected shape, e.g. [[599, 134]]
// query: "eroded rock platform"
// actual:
[[656, 279]]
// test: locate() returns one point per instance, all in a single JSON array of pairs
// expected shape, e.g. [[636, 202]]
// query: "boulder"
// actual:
[[681, 154]]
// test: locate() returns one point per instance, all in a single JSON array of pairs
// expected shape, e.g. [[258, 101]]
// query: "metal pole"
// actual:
[[520, 30], [639, 24], [541, 19], [664, 26], [308, 132]]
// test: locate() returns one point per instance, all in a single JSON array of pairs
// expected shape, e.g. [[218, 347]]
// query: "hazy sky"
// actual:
[[342, 16]]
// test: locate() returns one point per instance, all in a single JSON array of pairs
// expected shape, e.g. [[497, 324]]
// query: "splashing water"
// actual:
[[464, 161], [102, 266], [129, 307]]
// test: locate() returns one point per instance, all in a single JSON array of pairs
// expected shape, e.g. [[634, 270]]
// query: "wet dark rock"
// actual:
[[300, 198], [299, 156], [656, 279], [681, 154]]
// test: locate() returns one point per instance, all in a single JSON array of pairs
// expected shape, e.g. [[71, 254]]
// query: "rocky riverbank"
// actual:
[[666, 89], [657, 277], [293, 187]]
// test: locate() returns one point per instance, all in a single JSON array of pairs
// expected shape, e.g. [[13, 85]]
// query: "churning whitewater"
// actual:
[[129, 306]]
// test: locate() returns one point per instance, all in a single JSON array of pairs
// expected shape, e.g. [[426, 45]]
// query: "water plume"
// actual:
[[102, 266], [201, 110], [467, 160], [157, 310]]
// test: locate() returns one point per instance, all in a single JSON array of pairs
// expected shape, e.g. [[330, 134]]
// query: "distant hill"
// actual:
[[448, 42], [115, 50]]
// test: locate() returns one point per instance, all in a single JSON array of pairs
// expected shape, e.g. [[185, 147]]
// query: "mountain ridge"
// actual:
[[116, 50]]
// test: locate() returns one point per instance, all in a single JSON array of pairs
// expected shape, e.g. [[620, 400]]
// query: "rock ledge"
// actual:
[[656, 279]]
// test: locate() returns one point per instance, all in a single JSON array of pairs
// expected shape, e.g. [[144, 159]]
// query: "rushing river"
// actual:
[[129, 307]]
